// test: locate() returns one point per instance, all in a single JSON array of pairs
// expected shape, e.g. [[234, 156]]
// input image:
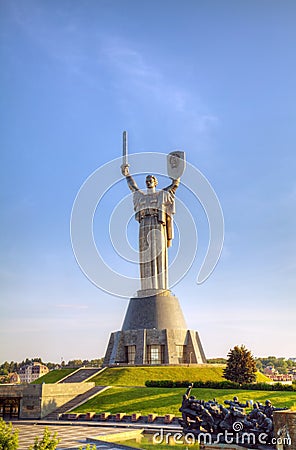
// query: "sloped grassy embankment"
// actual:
[[129, 395], [53, 376], [136, 376], [128, 392], [168, 401]]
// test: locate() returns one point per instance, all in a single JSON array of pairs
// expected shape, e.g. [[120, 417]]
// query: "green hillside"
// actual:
[[136, 376], [164, 401], [261, 378], [53, 376]]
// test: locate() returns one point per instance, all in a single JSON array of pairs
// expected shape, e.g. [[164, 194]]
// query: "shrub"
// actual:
[[47, 442], [8, 436], [220, 385], [88, 447]]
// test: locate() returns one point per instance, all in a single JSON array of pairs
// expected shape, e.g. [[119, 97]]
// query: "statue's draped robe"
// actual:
[[154, 213]]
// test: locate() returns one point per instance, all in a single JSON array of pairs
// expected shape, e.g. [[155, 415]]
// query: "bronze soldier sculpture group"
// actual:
[[199, 417]]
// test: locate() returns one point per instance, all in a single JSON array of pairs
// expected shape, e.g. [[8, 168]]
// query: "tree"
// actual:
[[47, 442], [8, 436], [75, 363], [241, 366], [281, 365], [259, 365], [217, 361]]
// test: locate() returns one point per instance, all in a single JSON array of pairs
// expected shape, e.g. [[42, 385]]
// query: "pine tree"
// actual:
[[241, 366]]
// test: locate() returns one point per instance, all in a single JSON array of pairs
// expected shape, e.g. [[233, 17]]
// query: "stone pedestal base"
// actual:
[[154, 310], [152, 347], [154, 331]]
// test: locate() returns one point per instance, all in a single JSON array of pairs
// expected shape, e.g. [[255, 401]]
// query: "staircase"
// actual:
[[81, 375], [74, 402]]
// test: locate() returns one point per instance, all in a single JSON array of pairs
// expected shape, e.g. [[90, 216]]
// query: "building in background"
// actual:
[[14, 378], [31, 372]]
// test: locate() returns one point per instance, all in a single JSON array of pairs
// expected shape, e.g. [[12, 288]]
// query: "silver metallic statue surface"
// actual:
[[154, 211]]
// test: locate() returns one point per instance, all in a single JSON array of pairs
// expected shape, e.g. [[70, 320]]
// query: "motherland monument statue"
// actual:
[[154, 330], [154, 211]]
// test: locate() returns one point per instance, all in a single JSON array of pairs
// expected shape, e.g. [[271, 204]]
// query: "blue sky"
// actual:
[[216, 79]]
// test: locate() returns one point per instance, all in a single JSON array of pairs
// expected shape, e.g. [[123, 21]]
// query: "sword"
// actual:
[[124, 148]]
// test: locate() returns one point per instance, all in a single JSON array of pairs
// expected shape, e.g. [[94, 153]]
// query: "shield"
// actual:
[[176, 164]]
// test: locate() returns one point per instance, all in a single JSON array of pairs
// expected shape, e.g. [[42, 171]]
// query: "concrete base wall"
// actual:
[[38, 400], [55, 395], [154, 331], [29, 396], [31, 401], [177, 347], [154, 319]]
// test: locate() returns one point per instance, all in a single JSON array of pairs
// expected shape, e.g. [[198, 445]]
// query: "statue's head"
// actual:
[[235, 399], [267, 402], [151, 181]]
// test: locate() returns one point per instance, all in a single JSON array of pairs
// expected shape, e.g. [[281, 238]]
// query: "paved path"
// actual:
[[71, 437]]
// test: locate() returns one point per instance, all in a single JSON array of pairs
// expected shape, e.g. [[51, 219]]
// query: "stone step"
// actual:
[[81, 375]]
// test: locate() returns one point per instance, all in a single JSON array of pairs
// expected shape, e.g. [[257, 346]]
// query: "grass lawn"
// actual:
[[164, 401], [53, 376], [146, 443], [136, 376]]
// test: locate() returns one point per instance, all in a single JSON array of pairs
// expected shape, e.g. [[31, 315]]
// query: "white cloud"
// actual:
[[128, 61]]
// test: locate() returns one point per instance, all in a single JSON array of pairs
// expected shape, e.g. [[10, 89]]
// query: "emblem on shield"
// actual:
[[176, 164]]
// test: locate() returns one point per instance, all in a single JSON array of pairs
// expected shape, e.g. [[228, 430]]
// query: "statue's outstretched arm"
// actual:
[[130, 181], [132, 184], [173, 186]]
